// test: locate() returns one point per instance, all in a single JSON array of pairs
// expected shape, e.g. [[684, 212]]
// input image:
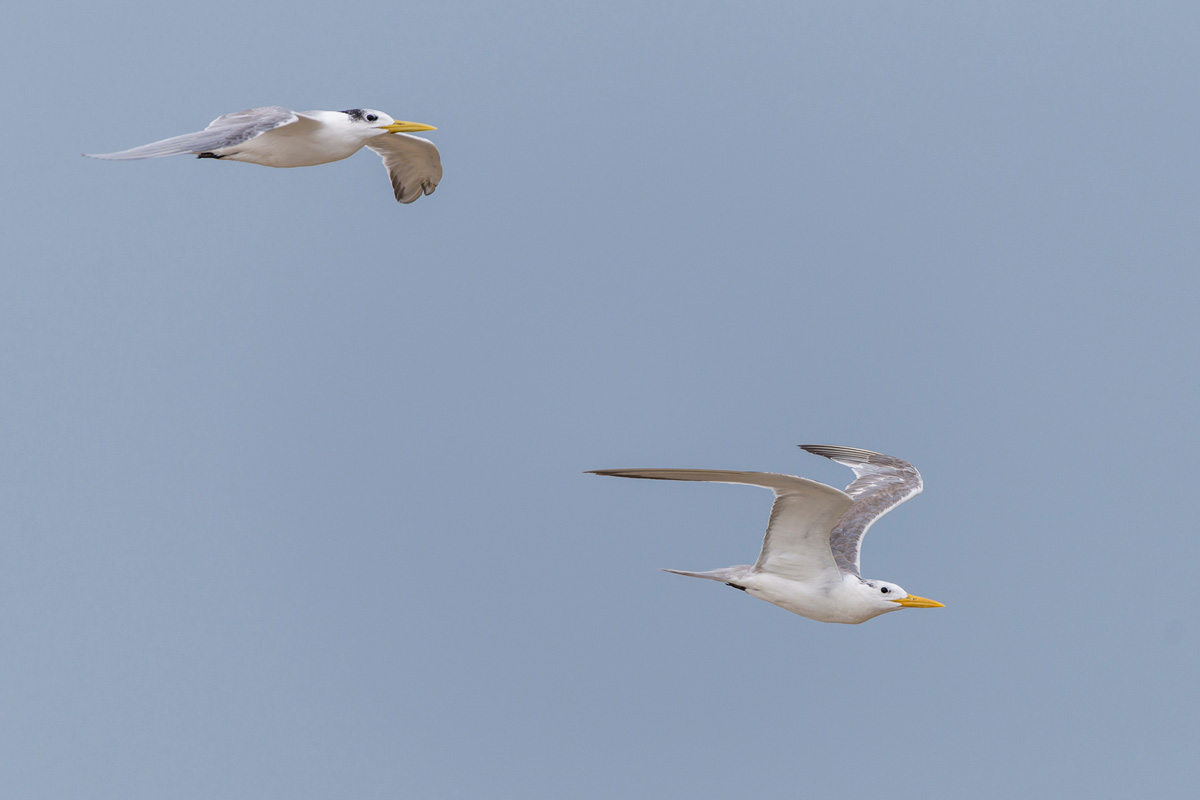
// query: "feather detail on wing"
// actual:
[[226, 130], [413, 164], [880, 484], [796, 544]]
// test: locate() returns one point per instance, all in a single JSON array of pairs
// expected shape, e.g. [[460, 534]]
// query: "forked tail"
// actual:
[[724, 575]]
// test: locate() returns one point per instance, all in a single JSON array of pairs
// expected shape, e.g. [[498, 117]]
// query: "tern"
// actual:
[[809, 562], [274, 136]]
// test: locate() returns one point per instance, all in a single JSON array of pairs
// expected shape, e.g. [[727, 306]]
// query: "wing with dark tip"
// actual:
[[226, 130], [413, 164], [880, 484], [796, 544]]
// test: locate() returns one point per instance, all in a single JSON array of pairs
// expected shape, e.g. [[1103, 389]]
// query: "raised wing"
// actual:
[[413, 164], [224, 131], [796, 544], [880, 484]]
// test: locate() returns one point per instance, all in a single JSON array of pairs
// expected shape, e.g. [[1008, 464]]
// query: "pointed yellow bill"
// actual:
[[407, 127], [912, 601]]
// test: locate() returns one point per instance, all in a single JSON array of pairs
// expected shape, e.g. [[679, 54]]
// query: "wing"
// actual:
[[413, 164], [796, 544], [880, 484], [224, 131]]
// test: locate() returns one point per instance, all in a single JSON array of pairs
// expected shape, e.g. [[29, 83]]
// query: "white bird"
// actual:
[[276, 137], [809, 562]]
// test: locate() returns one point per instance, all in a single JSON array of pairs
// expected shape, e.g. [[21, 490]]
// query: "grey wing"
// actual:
[[796, 544], [226, 130], [413, 164], [880, 484]]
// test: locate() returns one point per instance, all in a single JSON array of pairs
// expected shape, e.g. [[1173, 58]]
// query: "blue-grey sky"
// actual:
[[291, 491]]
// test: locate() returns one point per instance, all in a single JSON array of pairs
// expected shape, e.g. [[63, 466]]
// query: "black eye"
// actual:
[[371, 117], [884, 589]]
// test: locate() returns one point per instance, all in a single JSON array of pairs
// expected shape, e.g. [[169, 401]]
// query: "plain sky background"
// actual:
[[292, 499]]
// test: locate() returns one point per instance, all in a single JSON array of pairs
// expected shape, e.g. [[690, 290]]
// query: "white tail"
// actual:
[[724, 575]]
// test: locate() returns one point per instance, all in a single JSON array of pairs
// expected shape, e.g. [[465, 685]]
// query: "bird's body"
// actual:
[[809, 562], [274, 136], [316, 137]]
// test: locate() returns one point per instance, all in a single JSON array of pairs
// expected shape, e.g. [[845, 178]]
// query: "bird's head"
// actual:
[[376, 123], [890, 597]]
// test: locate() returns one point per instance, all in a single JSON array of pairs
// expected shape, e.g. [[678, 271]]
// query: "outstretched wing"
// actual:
[[413, 164], [226, 130], [796, 544], [880, 484]]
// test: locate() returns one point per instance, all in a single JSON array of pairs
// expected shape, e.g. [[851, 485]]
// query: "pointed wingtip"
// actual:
[[836, 451]]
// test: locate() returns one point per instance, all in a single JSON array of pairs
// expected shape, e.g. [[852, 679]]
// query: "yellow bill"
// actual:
[[407, 127], [912, 601]]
